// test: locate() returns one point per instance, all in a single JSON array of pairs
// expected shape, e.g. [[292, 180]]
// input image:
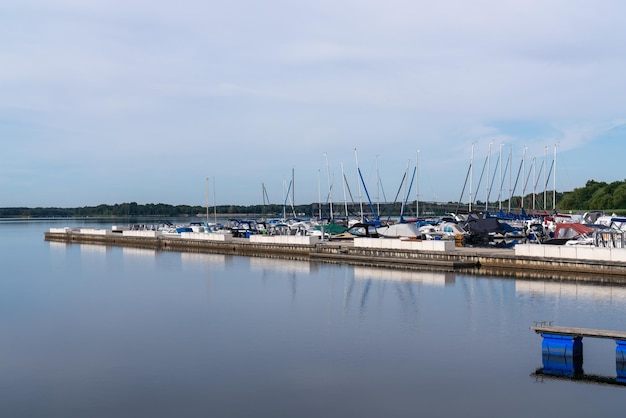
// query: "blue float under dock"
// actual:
[[562, 349]]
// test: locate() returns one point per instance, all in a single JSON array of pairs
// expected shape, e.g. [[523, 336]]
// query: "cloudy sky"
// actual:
[[116, 101]]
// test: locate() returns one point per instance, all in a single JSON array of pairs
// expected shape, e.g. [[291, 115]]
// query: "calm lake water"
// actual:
[[95, 331]]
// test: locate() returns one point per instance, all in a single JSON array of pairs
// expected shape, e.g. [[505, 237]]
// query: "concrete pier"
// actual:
[[393, 254]]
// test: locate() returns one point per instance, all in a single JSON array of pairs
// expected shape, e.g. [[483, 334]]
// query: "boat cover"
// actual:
[[486, 226], [571, 230], [400, 230]]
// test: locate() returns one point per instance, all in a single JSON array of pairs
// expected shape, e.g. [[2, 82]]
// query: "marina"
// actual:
[[523, 261]]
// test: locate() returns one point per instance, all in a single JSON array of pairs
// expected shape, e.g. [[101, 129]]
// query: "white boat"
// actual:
[[400, 230]]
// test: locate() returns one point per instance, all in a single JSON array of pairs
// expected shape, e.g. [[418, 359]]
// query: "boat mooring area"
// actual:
[[380, 252]]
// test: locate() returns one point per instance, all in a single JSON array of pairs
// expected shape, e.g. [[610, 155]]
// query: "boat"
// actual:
[[400, 230], [574, 233], [359, 230]]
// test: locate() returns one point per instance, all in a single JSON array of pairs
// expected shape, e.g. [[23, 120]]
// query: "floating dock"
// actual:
[[386, 253], [562, 350]]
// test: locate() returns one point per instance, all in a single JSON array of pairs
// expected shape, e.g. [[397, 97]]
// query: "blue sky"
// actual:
[[135, 100]]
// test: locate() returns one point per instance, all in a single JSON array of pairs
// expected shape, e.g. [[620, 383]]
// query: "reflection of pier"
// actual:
[[138, 252], [576, 290], [562, 349], [202, 259], [380, 283], [426, 277], [580, 377], [93, 249], [272, 264]]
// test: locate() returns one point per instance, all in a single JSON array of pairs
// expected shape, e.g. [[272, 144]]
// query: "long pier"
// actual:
[[467, 260]]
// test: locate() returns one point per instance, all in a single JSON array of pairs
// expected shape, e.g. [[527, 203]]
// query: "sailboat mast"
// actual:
[[524, 175], [488, 174], [330, 188], [263, 193], [214, 202], [417, 194], [358, 173], [545, 164], [500, 164], [319, 196], [345, 198], [207, 200], [406, 190], [535, 182], [510, 175], [470, 180], [377, 187], [554, 179]]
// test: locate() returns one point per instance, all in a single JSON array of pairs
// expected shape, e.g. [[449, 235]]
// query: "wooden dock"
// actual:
[[579, 332], [562, 350]]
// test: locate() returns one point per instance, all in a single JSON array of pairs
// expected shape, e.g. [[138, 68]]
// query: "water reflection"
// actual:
[[562, 365], [599, 293], [578, 376], [134, 252], [212, 260], [424, 277], [57, 245], [92, 249], [272, 264], [141, 335]]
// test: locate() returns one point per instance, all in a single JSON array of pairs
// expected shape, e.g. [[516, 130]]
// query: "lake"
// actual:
[[96, 331]]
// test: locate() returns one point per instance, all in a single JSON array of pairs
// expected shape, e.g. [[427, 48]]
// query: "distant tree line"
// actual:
[[162, 210], [133, 209], [596, 195]]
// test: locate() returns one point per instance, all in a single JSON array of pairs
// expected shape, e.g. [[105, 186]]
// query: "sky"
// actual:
[[106, 102]]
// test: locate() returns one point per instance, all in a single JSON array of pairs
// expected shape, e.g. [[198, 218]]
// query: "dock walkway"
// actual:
[[562, 350], [579, 332], [467, 260]]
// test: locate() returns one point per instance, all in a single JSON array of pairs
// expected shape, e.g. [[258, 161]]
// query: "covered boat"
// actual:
[[400, 230], [568, 231]]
